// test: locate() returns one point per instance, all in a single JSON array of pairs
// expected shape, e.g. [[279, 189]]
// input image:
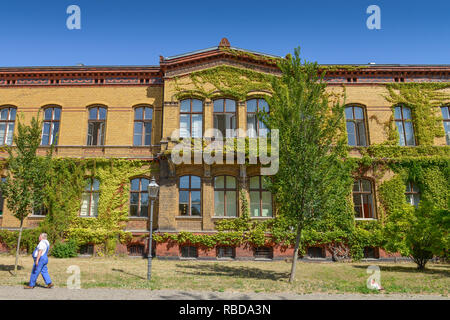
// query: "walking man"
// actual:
[[40, 263]]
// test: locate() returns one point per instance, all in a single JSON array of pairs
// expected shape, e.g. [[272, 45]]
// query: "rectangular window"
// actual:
[[370, 253], [263, 253], [142, 134], [87, 249], [41, 211], [225, 196], [139, 197], [260, 198], [363, 199], [316, 252], [356, 130], [90, 198], [7, 119], [255, 127], [50, 130], [189, 196], [225, 252], [191, 118], [403, 121], [189, 252], [96, 126], [225, 117], [136, 250], [96, 134]]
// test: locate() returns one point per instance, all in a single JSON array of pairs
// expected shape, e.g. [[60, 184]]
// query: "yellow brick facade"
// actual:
[[120, 101]]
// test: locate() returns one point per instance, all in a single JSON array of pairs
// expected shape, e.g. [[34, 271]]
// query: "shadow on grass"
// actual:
[[223, 270], [130, 274], [409, 269]]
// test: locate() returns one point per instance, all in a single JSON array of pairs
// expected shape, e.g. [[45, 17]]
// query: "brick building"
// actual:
[[131, 112]]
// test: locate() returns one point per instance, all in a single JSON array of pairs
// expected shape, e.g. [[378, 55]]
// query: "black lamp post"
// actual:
[[153, 189]]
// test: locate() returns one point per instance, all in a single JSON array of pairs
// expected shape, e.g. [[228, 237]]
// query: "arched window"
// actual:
[[7, 120], [225, 116], [139, 197], [356, 128], [446, 117], [50, 127], [260, 198], [96, 126], [190, 196], [363, 199], [225, 196], [142, 126], [89, 199], [403, 121], [412, 194], [191, 118], [255, 127]]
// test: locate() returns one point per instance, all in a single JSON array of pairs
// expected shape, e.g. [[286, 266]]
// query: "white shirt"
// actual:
[[43, 245]]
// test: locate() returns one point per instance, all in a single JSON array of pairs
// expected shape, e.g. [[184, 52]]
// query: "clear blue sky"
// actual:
[[132, 32]]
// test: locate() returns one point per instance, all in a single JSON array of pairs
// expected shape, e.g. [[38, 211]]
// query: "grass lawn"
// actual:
[[237, 276]]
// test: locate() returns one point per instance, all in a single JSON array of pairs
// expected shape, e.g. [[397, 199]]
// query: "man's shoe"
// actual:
[[28, 287], [51, 285]]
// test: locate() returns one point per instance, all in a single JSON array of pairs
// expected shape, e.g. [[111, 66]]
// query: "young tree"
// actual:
[[308, 183], [26, 178], [418, 232]]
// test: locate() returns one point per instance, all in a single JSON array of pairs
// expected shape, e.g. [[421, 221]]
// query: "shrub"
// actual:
[[67, 249], [420, 233]]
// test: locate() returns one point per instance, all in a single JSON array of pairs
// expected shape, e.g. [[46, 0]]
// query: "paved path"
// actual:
[[14, 293]]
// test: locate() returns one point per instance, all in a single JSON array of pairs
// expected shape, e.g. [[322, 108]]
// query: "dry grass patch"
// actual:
[[241, 276]]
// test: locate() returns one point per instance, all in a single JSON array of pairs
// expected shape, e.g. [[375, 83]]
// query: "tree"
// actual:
[[418, 232], [308, 184], [24, 186]]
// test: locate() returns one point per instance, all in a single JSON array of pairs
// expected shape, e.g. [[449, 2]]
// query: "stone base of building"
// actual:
[[138, 247]]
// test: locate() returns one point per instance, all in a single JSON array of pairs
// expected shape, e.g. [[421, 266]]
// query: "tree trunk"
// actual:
[[18, 247], [295, 257]]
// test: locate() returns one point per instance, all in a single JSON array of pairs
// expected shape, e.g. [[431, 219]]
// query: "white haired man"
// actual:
[[40, 263]]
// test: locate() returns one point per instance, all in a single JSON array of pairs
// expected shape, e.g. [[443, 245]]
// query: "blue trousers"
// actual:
[[40, 268]]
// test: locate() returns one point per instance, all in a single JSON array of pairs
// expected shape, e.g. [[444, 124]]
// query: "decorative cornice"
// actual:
[[208, 58], [80, 76]]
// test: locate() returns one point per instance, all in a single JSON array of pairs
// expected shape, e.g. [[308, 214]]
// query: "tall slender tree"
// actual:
[[308, 183], [27, 174]]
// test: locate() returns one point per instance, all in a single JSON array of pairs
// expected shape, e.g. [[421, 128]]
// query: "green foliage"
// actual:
[[422, 98], [380, 151], [63, 196], [312, 183], [63, 199], [392, 193], [67, 249], [226, 81], [367, 234], [29, 239], [418, 232], [26, 172]]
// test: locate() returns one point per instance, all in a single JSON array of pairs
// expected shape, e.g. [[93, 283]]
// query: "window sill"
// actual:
[[87, 217], [137, 218], [223, 217], [189, 217], [36, 217], [366, 219], [261, 218]]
